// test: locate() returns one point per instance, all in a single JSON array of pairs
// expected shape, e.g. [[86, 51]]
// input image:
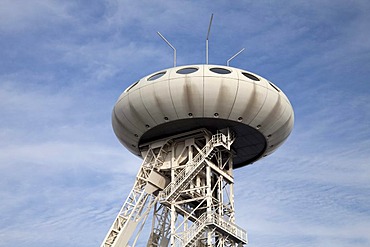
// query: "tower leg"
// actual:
[[160, 233], [140, 200], [191, 177], [201, 193]]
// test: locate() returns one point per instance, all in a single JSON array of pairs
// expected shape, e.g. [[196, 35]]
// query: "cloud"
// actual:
[[16, 16], [64, 64], [307, 193]]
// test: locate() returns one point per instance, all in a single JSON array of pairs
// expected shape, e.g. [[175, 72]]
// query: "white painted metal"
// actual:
[[231, 58], [139, 202], [197, 206], [187, 173], [203, 94], [201, 195], [209, 30], [170, 45], [160, 233]]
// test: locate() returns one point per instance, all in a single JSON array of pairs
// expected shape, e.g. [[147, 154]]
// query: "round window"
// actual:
[[220, 70], [275, 87], [130, 87], [156, 76], [250, 76], [186, 71]]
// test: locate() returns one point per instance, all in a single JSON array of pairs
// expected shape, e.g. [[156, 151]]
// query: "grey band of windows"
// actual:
[[220, 71], [130, 87], [156, 76], [250, 76], [186, 71], [275, 87]]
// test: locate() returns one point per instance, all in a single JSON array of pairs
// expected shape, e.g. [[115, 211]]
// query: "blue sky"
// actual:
[[63, 64]]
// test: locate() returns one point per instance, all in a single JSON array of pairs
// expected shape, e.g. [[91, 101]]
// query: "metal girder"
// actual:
[[139, 202], [195, 207], [160, 234]]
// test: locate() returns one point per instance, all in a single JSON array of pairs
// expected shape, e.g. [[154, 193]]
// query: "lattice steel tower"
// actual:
[[193, 126]]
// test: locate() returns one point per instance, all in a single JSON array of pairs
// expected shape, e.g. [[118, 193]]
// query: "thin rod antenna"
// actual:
[[209, 29], [228, 61], [169, 44]]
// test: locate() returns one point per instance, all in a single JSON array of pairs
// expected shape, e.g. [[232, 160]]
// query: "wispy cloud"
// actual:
[[64, 175]]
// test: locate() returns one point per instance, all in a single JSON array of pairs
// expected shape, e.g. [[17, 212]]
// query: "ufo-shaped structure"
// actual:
[[214, 97], [192, 126]]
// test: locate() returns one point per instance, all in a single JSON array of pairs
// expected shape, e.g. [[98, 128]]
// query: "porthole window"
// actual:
[[275, 87], [186, 71], [250, 76], [130, 87], [156, 76], [220, 71]]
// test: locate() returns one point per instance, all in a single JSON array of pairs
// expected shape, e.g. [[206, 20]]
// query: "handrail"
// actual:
[[208, 219], [195, 228], [216, 140], [227, 226]]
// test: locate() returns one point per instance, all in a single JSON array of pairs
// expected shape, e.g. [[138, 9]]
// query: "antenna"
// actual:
[[236, 54], [168, 43], [209, 29], [196, 181]]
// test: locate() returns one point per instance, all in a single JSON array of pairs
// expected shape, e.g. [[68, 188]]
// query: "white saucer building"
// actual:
[[214, 97], [193, 125]]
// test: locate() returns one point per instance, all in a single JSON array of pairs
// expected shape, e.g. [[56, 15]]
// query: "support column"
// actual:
[[209, 202], [173, 225]]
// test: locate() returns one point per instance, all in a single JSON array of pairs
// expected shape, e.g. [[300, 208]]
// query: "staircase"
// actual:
[[208, 221], [195, 231], [212, 221], [193, 167]]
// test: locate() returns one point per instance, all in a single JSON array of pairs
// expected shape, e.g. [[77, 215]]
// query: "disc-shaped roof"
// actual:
[[185, 98]]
